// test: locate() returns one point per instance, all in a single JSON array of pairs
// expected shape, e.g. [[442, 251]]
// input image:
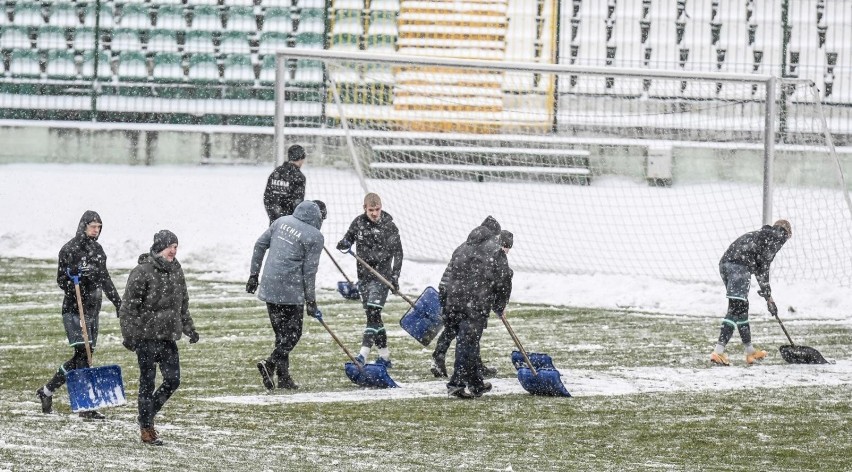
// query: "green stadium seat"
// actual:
[[238, 70], [234, 42], [162, 40], [132, 67], [203, 69], [308, 73], [381, 43], [107, 18], [84, 39], [310, 40], [344, 41], [347, 21], [267, 70], [272, 42], [64, 14], [197, 42], [24, 63], [28, 14], [87, 66], [15, 37], [171, 17], [125, 39], [312, 21], [206, 18], [136, 16], [168, 67], [277, 20], [61, 65], [51, 37], [241, 19]]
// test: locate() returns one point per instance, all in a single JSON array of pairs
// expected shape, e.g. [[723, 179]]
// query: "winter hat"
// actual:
[[295, 153], [785, 225], [506, 239], [163, 239], [491, 224], [321, 206]]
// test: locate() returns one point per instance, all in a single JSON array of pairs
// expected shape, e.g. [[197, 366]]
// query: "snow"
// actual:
[[217, 214]]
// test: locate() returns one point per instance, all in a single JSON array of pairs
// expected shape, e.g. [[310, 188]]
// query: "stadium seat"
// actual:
[[346, 22], [318, 4], [241, 19], [383, 23], [234, 42], [15, 37], [134, 16], [199, 42], [84, 39], [168, 68], [310, 40], [381, 43], [125, 39], [272, 42], [171, 17], [206, 18], [203, 69], [162, 40], [312, 21], [107, 17], [384, 5], [267, 70], [63, 14], [87, 66], [24, 63], [132, 67], [28, 14], [51, 37], [277, 20], [308, 73], [238, 70], [61, 65], [344, 42]]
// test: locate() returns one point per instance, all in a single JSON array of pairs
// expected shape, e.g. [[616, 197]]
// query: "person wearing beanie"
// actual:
[[82, 261], [476, 281], [448, 334], [378, 244], [285, 187], [288, 286], [153, 317], [750, 254]]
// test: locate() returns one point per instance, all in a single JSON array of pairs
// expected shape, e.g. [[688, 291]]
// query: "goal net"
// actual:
[[595, 171]]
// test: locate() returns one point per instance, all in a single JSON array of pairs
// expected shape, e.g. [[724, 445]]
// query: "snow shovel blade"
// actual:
[[548, 382], [348, 290], [801, 355], [539, 360], [423, 321], [372, 375], [94, 388]]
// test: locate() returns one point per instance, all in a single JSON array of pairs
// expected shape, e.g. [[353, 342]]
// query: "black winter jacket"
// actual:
[[478, 278], [156, 302], [378, 244], [285, 189], [85, 256], [756, 250]]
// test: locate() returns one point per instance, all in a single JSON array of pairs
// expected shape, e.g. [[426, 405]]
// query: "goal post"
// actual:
[[624, 171]]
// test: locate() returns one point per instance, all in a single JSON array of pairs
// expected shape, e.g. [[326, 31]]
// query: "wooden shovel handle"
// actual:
[[83, 323], [785, 329], [357, 364], [384, 280], [518, 343], [337, 265]]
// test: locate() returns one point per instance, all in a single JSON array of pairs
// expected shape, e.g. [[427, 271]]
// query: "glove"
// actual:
[[317, 314], [129, 344], [74, 275], [311, 307], [344, 245], [500, 314], [773, 308], [765, 293], [252, 283], [193, 337], [395, 283]]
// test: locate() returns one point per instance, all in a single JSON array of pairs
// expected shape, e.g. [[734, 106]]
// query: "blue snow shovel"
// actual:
[[368, 375], [347, 289], [423, 320], [539, 360], [93, 388], [545, 381]]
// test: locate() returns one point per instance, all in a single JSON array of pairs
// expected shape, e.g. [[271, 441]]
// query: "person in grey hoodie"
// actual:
[[154, 314], [294, 244]]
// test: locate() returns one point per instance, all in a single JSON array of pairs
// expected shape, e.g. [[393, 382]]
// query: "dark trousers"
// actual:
[[286, 322], [447, 336], [77, 361], [737, 317], [150, 353], [375, 332], [467, 366]]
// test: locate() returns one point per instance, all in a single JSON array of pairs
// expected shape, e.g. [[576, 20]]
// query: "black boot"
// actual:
[[439, 367], [266, 368], [92, 415], [46, 401], [287, 383]]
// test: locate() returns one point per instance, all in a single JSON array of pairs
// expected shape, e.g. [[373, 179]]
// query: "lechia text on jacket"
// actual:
[[289, 233]]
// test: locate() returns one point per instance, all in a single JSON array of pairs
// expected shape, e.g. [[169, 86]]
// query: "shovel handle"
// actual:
[[384, 280], [83, 322], [518, 343], [785, 330], [337, 265], [333, 336]]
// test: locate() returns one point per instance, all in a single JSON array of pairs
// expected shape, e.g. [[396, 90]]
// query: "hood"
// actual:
[[309, 212], [491, 224], [479, 235], [88, 217]]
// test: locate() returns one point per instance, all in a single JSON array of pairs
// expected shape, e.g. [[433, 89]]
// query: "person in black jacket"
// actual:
[[378, 244], [477, 280], [448, 334], [751, 253], [154, 315], [83, 259], [285, 187]]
